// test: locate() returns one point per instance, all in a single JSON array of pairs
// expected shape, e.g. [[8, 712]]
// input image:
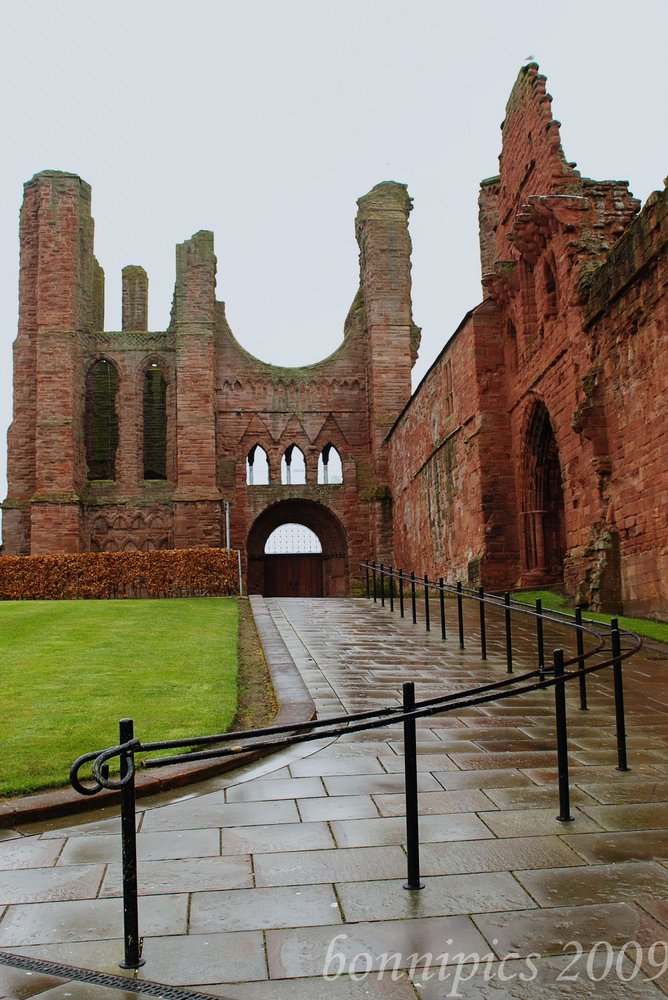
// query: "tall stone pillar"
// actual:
[[197, 513], [56, 305], [135, 298], [392, 339]]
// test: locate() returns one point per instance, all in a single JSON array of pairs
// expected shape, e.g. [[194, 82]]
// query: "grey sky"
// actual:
[[264, 122]]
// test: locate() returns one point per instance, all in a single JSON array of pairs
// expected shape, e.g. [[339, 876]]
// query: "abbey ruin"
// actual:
[[534, 451]]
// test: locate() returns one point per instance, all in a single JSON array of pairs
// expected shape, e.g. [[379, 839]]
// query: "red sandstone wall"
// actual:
[[220, 400], [449, 460], [56, 306], [312, 406], [577, 290], [627, 325]]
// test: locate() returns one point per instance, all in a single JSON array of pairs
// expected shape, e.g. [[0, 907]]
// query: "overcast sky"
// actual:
[[265, 120]]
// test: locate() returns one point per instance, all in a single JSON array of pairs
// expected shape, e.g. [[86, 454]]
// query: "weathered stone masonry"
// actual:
[[134, 439], [535, 449]]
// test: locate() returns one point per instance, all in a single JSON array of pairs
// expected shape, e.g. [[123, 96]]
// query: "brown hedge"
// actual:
[[197, 572]]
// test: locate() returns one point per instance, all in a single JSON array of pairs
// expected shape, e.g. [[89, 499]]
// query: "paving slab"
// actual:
[[392, 830], [538, 822], [251, 909], [537, 978], [86, 991], [105, 849], [308, 867], [607, 847], [373, 784], [497, 855], [554, 931], [177, 959], [89, 920], [29, 852], [395, 987], [21, 985], [544, 795], [367, 947], [641, 816], [44, 885], [468, 799], [445, 895], [622, 881], [483, 778], [276, 837], [617, 792], [183, 875], [279, 788]]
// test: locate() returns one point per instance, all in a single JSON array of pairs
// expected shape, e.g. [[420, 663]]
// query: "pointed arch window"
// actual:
[[330, 469], [449, 399], [257, 467], [550, 290], [293, 466], [543, 502], [101, 420], [155, 423], [513, 354]]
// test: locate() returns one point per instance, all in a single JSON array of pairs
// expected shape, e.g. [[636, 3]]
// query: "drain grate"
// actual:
[[143, 986]]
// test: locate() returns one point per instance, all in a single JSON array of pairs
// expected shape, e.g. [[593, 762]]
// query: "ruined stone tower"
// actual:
[[136, 439]]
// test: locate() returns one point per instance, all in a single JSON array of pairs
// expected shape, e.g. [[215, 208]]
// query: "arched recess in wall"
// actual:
[[512, 348], [330, 469], [293, 466], [292, 576], [544, 534], [155, 422], [550, 291], [101, 419], [257, 467]]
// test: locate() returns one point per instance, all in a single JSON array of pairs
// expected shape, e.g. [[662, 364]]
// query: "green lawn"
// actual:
[[557, 602], [72, 669]]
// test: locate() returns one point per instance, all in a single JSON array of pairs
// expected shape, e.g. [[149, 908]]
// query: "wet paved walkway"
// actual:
[[250, 880]]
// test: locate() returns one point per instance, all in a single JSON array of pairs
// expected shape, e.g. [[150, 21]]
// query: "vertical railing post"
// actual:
[[441, 601], [401, 593], [460, 616], [427, 622], [366, 576], [509, 635], [539, 635], [375, 591], [382, 585], [483, 629], [582, 677], [413, 597], [622, 762], [412, 816], [562, 737], [391, 579], [132, 959]]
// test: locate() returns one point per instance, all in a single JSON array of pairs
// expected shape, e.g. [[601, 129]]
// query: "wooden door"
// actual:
[[293, 576]]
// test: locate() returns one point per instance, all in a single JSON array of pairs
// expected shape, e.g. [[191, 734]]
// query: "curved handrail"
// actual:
[[275, 737]]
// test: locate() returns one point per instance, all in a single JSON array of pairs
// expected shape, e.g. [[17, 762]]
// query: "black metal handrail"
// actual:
[[276, 737]]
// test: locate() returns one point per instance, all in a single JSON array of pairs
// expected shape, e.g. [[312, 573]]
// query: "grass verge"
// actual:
[[72, 669], [557, 602]]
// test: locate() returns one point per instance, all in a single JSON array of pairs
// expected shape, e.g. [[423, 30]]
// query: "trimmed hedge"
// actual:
[[197, 572]]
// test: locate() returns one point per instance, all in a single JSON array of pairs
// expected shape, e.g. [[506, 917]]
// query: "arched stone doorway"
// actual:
[[544, 534], [294, 578]]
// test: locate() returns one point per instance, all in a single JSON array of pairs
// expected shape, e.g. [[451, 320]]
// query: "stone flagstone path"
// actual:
[[250, 880]]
